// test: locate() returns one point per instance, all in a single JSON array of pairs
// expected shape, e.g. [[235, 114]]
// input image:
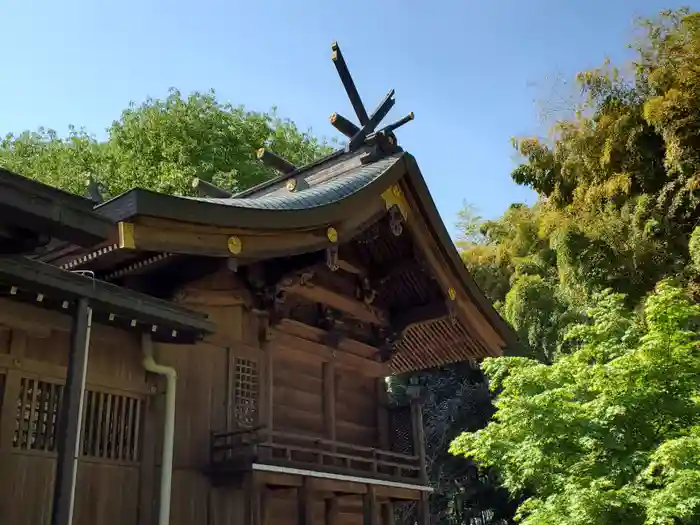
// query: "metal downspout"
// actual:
[[166, 473]]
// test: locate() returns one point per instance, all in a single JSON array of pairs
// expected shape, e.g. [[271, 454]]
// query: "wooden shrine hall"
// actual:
[[240, 343]]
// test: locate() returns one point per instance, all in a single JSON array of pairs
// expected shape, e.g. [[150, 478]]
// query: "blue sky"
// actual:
[[471, 70]]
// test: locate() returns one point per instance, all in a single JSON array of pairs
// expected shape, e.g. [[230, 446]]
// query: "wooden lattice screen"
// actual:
[[38, 409], [245, 393], [110, 427], [401, 430]]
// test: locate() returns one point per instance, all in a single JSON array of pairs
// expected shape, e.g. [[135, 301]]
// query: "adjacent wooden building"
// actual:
[[275, 316]]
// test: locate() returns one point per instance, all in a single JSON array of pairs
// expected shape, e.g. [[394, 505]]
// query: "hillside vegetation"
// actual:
[[601, 424]]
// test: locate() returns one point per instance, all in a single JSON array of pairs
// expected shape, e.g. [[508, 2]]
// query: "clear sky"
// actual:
[[471, 70]]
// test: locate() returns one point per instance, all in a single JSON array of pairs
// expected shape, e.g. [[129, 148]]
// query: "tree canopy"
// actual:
[[163, 144], [600, 279]]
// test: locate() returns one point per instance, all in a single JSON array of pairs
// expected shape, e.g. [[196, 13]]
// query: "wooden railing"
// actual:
[[235, 450]]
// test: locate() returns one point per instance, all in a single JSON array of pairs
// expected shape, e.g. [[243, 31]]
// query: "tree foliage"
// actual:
[[600, 278], [609, 432], [162, 145]]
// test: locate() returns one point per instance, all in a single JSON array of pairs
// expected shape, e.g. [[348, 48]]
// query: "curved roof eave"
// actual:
[[310, 207], [440, 234]]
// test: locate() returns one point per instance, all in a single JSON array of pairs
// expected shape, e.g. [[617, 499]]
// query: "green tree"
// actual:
[[600, 424], [607, 433], [162, 145]]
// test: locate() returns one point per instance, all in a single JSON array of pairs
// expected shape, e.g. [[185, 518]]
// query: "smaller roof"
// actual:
[[30, 206], [53, 288]]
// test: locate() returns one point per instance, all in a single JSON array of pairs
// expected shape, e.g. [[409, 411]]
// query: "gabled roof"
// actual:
[[322, 195], [34, 207]]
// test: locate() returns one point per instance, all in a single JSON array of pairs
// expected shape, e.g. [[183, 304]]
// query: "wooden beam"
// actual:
[[315, 352], [173, 237], [337, 487], [207, 189], [398, 493], [343, 125], [38, 322], [396, 125], [368, 127], [329, 399], [361, 311], [351, 267], [318, 335], [348, 83], [403, 320], [274, 161], [277, 479]]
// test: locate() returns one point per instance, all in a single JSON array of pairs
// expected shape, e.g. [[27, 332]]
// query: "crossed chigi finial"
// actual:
[[358, 135]]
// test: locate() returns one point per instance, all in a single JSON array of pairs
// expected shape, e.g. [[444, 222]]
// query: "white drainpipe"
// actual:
[[166, 473]]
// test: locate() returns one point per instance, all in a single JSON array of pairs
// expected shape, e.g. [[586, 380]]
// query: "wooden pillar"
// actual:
[[253, 500], [264, 505], [71, 417], [305, 504], [423, 510], [8, 421], [329, 400], [331, 511], [269, 387], [369, 507], [8, 409], [383, 415], [419, 437], [267, 384], [388, 513]]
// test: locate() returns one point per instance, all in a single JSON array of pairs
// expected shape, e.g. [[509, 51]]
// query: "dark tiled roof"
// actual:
[[318, 188]]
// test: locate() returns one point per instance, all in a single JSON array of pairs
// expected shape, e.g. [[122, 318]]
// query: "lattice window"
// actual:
[[38, 407], [245, 393], [401, 430], [111, 426]]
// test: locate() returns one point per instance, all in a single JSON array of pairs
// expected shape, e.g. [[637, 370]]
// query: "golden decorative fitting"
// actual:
[[394, 196], [260, 153], [291, 184], [452, 294], [126, 235], [234, 245], [332, 234]]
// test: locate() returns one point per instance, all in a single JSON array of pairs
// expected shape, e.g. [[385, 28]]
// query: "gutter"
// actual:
[[166, 473]]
